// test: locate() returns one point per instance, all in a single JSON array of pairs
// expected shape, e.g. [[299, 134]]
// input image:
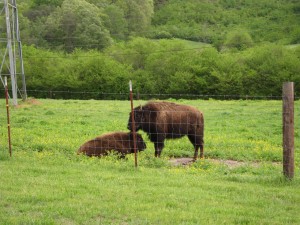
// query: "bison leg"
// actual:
[[158, 141], [197, 142], [196, 153], [158, 148], [201, 151]]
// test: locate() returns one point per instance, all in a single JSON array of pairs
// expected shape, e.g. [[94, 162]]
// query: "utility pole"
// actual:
[[11, 49]]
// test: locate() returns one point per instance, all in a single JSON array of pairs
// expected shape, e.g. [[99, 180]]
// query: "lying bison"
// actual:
[[118, 141], [165, 120]]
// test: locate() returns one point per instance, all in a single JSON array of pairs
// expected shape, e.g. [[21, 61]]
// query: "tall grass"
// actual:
[[45, 182]]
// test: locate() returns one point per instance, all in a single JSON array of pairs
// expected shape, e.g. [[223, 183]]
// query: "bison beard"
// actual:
[[118, 141], [165, 120]]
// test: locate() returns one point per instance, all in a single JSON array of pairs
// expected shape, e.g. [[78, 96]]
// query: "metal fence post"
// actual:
[[133, 124], [7, 111]]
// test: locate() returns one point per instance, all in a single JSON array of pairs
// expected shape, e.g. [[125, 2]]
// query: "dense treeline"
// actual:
[[220, 47], [165, 67]]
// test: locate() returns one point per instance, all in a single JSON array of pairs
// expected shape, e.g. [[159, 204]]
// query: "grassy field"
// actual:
[[45, 182]]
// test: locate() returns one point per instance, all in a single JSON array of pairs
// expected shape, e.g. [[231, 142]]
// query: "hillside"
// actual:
[[66, 24], [216, 21]]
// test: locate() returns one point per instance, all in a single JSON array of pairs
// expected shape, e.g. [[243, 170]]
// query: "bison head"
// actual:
[[138, 119], [140, 144]]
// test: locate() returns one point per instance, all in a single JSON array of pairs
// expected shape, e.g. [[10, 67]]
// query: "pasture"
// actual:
[[45, 182]]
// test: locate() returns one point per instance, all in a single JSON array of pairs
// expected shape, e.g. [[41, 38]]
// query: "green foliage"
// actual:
[[164, 67], [77, 24], [240, 60], [267, 66], [208, 21], [239, 40], [116, 22], [138, 15], [205, 21], [257, 71], [47, 2], [78, 72]]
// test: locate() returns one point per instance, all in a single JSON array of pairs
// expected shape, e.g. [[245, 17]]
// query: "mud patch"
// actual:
[[227, 162]]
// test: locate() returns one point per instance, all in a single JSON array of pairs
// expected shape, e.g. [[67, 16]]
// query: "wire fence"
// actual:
[[99, 95], [246, 129]]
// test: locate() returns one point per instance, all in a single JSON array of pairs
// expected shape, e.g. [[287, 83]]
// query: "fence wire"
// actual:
[[100, 95], [244, 129]]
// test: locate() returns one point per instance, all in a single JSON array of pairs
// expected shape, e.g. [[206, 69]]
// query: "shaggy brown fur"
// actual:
[[118, 141], [166, 120]]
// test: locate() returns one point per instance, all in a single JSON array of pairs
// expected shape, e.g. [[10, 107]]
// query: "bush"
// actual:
[[239, 40]]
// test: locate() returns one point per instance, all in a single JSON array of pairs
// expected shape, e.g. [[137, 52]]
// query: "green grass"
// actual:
[[293, 46], [188, 43], [45, 182]]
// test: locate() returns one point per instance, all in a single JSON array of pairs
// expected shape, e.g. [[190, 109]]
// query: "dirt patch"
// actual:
[[230, 163], [181, 161], [28, 103], [227, 162]]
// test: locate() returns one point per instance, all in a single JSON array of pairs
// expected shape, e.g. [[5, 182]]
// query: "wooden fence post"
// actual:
[[288, 129]]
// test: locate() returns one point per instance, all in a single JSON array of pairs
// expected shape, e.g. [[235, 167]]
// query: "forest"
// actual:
[[192, 47]]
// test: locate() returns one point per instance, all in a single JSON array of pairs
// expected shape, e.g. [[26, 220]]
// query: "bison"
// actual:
[[166, 120], [120, 142]]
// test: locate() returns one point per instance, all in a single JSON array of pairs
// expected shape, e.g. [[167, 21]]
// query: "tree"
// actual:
[[47, 2], [116, 22], [269, 66], [77, 24], [239, 40], [138, 15]]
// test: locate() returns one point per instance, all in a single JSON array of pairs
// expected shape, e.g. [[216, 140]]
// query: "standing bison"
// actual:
[[118, 141], [165, 120]]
